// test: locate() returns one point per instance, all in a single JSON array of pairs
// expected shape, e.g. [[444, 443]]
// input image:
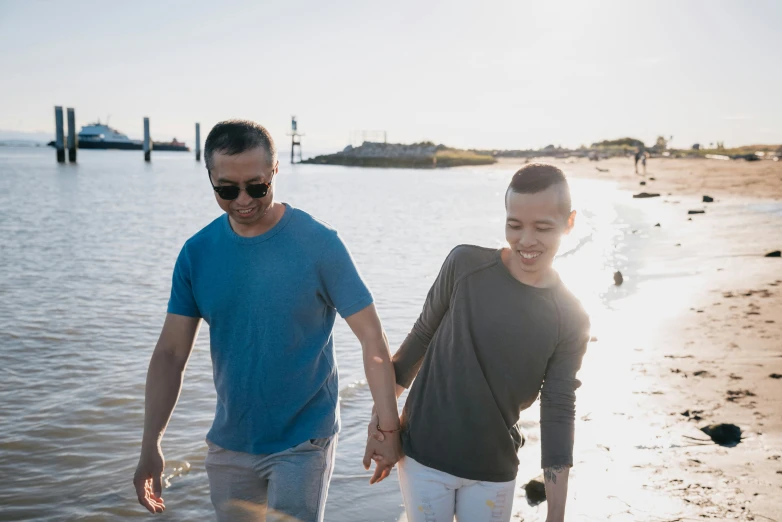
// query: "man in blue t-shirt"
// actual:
[[269, 280]]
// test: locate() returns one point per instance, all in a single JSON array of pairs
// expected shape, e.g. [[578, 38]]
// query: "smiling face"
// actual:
[[249, 167], [534, 226]]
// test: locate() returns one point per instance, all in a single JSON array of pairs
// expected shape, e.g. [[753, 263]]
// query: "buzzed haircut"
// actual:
[[233, 137], [537, 177]]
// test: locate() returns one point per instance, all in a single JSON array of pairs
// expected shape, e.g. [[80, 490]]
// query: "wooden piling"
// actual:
[[59, 141], [198, 142], [147, 143], [72, 139]]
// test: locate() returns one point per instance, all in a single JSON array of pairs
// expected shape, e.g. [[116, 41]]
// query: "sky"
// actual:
[[503, 74]]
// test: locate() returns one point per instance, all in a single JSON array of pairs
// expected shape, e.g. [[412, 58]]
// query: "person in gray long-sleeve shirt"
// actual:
[[498, 327]]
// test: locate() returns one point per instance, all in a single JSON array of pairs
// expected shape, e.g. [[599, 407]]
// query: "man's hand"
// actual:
[[385, 454], [148, 480]]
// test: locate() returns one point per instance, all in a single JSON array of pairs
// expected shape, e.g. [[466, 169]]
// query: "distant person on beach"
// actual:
[[640, 155], [498, 326], [269, 280]]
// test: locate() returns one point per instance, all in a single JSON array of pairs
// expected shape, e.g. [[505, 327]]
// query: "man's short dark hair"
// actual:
[[236, 136], [537, 177]]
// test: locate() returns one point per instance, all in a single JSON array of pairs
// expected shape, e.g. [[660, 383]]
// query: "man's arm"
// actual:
[[555, 480], [164, 383], [558, 413], [382, 383]]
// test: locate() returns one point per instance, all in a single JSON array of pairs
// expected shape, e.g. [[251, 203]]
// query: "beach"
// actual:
[[684, 342], [698, 343]]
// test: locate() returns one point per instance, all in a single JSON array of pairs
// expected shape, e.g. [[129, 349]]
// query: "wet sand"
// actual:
[[698, 343]]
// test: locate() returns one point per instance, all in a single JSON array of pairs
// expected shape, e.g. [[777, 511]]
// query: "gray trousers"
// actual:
[[289, 486]]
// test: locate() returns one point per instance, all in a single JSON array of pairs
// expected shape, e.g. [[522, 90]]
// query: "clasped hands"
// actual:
[[383, 447]]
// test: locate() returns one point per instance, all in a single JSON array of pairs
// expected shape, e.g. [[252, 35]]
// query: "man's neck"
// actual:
[[544, 278], [271, 217]]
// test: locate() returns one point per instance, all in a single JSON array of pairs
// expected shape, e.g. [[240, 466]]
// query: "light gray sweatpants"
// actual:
[[289, 486]]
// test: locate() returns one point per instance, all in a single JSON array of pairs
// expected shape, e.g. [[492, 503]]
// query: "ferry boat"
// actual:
[[101, 136]]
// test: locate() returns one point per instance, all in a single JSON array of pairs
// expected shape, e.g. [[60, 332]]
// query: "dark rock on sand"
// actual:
[[658, 225], [775, 376], [728, 435], [775, 253], [535, 491], [643, 195], [708, 199], [618, 279], [642, 183], [696, 212]]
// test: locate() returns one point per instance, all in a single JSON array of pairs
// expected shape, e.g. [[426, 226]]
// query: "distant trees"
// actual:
[[622, 142]]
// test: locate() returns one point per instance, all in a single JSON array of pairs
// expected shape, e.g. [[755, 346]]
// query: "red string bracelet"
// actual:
[[388, 431]]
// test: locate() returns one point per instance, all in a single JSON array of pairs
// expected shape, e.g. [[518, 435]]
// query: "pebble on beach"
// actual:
[[775, 253], [644, 195], [618, 279], [696, 212], [708, 199]]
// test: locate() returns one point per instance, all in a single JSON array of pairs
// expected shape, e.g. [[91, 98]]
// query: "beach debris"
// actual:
[[644, 195], [601, 170], [708, 199], [702, 373], [652, 179], [642, 183], [658, 225], [728, 435], [734, 395], [535, 491], [693, 415], [618, 278], [689, 219], [775, 253], [735, 377], [775, 376], [678, 244], [696, 212]]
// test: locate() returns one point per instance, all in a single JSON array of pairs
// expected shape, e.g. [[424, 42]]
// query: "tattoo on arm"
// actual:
[[550, 474]]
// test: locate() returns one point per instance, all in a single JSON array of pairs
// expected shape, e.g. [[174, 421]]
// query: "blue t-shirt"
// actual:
[[270, 302]]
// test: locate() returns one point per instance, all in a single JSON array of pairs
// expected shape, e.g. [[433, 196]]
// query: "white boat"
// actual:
[[101, 136]]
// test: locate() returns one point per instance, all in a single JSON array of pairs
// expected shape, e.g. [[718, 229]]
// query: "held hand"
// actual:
[[385, 454], [148, 480], [372, 431]]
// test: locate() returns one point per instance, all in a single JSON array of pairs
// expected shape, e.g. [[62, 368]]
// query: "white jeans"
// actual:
[[434, 496]]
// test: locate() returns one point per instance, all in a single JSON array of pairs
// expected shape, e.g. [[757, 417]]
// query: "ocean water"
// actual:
[[86, 253]]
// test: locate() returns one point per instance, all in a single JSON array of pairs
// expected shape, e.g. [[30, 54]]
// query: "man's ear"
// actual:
[[571, 222]]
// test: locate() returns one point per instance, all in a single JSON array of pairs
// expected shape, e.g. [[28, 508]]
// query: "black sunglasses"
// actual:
[[230, 192]]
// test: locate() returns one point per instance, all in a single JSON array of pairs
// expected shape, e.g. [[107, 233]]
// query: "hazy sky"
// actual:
[[499, 74]]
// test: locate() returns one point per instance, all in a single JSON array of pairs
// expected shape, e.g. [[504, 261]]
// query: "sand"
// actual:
[[700, 346]]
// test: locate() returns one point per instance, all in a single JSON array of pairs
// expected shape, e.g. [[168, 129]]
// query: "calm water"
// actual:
[[86, 254]]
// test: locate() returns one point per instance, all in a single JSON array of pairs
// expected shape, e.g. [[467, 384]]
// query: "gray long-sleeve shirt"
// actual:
[[482, 347]]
